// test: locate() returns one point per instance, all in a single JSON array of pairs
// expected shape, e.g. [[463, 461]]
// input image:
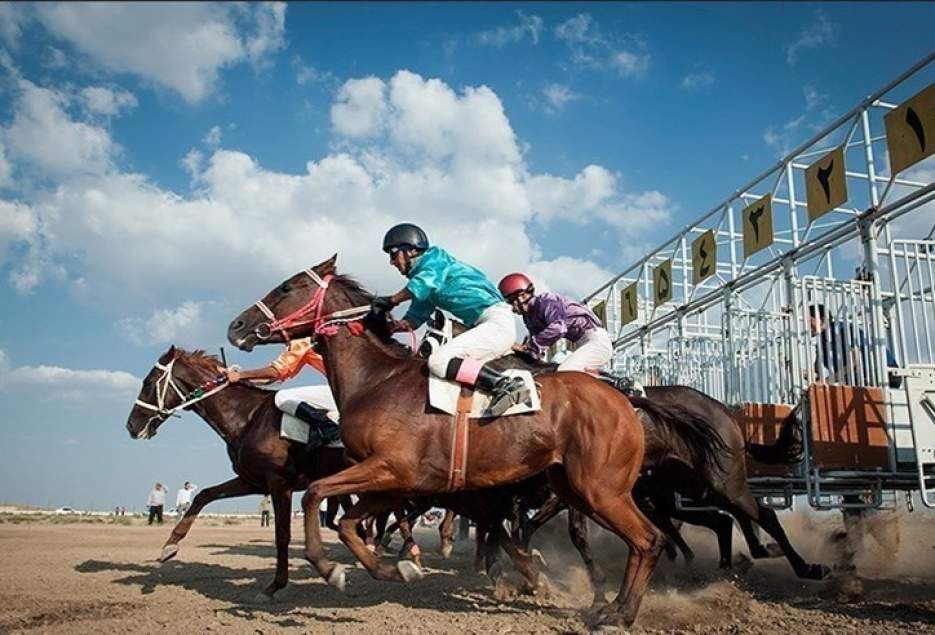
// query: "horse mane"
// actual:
[[374, 323]]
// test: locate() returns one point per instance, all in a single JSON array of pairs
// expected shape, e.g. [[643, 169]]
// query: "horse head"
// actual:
[[173, 384], [311, 302]]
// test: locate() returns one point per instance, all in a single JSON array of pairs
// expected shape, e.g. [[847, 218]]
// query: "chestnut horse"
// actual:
[[586, 435]]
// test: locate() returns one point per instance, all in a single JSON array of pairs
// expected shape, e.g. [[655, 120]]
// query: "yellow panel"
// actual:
[[662, 283], [757, 225], [629, 304], [600, 310], [825, 185], [704, 256], [910, 130]]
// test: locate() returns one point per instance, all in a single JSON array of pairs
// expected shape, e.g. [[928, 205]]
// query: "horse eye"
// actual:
[[286, 288]]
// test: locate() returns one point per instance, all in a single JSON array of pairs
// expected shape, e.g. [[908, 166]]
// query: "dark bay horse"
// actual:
[[587, 436], [247, 419]]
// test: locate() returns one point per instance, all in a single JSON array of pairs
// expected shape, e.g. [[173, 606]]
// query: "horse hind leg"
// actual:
[[446, 534], [578, 532]]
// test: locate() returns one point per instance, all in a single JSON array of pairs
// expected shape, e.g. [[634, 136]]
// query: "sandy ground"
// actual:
[[80, 577]]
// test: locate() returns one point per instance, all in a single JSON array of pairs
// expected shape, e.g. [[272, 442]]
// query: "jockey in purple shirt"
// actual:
[[550, 317]]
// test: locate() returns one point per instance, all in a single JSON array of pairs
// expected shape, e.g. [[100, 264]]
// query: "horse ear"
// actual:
[[327, 267]]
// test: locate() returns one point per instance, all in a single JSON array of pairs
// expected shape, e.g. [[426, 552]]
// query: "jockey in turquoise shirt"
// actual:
[[437, 280]]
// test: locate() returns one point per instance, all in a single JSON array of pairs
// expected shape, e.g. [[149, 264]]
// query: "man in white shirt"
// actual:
[[183, 500], [156, 500]]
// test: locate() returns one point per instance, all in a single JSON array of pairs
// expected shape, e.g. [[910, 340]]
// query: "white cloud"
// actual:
[[819, 32], [43, 134], [181, 46], [308, 74], [813, 98], [445, 159], [54, 58], [557, 95], [701, 79], [570, 276], [72, 382], [359, 108], [18, 224], [12, 18], [4, 361], [529, 25], [591, 48], [100, 100], [6, 169], [213, 138], [164, 326]]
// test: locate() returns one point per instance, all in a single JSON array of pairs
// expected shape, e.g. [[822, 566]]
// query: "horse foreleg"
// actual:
[[282, 509], [347, 530], [409, 542], [446, 533], [230, 489], [371, 475], [549, 510]]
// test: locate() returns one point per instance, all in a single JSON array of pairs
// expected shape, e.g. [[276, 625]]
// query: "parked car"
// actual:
[[66, 510]]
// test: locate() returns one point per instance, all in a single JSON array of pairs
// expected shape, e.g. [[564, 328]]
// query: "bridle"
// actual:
[[164, 383], [327, 324], [323, 324]]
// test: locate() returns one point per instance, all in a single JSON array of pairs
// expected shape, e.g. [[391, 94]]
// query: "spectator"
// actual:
[[183, 500], [842, 350], [156, 501], [265, 505], [323, 513]]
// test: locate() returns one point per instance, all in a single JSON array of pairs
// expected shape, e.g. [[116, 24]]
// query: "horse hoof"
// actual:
[[168, 552], [495, 571], [338, 577], [773, 550], [409, 571], [538, 557], [263, 597], [447, 550]]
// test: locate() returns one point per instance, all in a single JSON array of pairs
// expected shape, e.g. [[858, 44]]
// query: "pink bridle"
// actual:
[[323, 324]]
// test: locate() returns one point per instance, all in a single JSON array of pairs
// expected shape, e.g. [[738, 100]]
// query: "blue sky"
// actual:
[[161, 166]]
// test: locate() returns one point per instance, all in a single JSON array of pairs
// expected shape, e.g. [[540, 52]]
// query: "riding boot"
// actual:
[[321, 429], [505, 391]]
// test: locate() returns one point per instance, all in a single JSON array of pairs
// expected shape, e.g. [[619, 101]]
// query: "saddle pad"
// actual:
[[295, 429], [443, 395]]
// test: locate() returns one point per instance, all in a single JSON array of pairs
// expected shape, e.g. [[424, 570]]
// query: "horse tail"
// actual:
[[704, 444], [788, 448]]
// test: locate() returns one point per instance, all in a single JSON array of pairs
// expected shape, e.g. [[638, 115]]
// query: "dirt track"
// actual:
[[83, 578]]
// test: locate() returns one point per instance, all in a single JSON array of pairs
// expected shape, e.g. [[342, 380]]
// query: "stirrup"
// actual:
[[508, 395]]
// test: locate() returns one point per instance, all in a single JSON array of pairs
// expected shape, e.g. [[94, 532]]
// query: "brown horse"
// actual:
[[587, 435], [247, 419]]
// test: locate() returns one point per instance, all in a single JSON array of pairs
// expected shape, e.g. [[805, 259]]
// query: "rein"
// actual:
[[327, 325], [166, 381]]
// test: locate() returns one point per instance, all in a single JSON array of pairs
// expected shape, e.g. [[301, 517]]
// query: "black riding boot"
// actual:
[[505, 391], [321, 429]]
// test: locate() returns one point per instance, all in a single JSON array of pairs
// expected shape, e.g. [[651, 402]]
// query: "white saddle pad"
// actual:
[[443, 395], [295, 429]]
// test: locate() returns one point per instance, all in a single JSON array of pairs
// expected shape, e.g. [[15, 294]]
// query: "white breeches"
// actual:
[[320, 396], [493, 336], [593, 352]]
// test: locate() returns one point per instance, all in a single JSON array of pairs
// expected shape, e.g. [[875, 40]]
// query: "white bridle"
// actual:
[[163, 383]]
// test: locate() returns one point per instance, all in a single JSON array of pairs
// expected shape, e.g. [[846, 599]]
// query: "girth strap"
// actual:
[[457, 470]]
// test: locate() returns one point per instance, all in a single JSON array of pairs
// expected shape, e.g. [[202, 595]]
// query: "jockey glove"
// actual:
[[382, 303]]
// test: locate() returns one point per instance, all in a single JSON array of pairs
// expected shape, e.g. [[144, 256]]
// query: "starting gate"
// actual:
[[812, 288]]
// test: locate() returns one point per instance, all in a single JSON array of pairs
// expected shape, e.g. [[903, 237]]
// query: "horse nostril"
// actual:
[[237, 325]]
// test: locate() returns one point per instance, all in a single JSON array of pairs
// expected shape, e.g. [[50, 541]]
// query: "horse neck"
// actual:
[[355, 364], [229, 411]]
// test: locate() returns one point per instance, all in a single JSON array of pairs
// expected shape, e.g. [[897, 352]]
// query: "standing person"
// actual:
[[183, 500], [550, 317], [156, 501], [437, 280], [265, 505], [323, 513]]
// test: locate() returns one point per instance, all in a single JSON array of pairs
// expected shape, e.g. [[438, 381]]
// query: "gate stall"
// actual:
[[812, 288]]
